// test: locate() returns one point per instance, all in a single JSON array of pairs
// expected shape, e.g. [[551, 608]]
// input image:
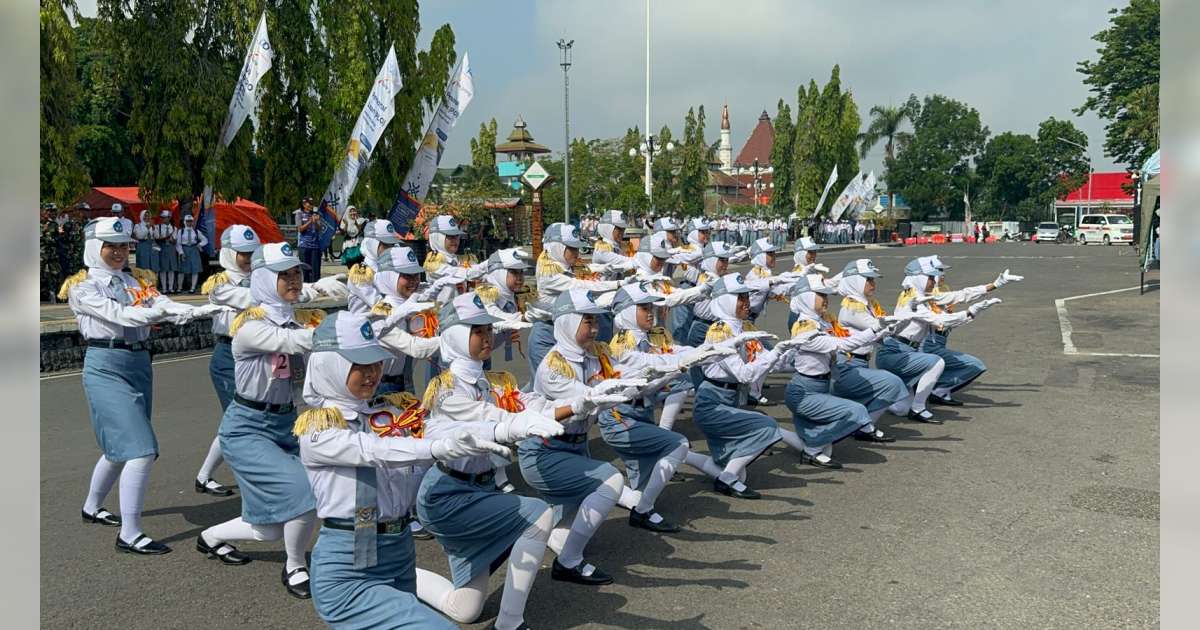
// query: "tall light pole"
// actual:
[[649, 155], [1088, 155], [564, 48], [648, 148]]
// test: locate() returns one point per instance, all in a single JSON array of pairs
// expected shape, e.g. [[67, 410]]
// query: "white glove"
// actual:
[[651, 277], [509, 325], [979, 307], [477, 271], [788, 344], [334, 286], [527, 424], [917, 301], [197, 312], [404, 311], [614, 385], [739, 256], [1006, 277], [745, 337], [703, 355], [654, 372], [620, 266], [675, 251], [818, 267], [463, 444]]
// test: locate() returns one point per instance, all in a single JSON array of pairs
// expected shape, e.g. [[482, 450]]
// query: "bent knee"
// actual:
[[267, 532], [540, 529]]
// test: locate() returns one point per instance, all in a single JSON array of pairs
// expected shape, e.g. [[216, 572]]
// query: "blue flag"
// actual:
[[404, 211], [328, 224]]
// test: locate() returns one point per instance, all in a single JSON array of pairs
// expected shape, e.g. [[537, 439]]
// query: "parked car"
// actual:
[[1105, 228], [1046, 232]]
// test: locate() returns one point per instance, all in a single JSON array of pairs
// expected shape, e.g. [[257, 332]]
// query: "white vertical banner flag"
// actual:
[[376, 113], [833, 175], [459, 92], [844, 200], [245, 94], [864, 196], [966, 212]]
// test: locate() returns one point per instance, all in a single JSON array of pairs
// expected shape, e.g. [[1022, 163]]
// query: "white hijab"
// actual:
[[916, 283], [693, 237], [725, 308], [606, 230], [499, 279], [565, 328], [385, 283], [627, 320], [805, 306], [853, 287], [370, 251], [142, 218], [800, 257], [437, 241], [556, 252], [264, 289], [325, 385], [97, 269], [456, 350], [228, 258], [760, 259], [642, 260], [710, 265]]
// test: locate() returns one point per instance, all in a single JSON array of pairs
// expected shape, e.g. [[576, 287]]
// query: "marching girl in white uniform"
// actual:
[[611, 258], [114, 310], [478, 526], [961, 368], [498, 289], [651, 452], [737, 435], [805, 262], [168, 260], [577, 371], [231, 288], [445, 238], [554, 276], [270, 341], [712, 266], [187, 248], [378, 235], [360, 452], [143, 233], [901, 354], [820, 416], [763, 279]]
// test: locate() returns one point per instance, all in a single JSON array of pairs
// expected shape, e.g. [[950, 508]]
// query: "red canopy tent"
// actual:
[[100, 200]]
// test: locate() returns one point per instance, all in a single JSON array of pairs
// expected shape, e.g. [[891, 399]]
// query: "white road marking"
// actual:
[[189, 357], [1064, 324]]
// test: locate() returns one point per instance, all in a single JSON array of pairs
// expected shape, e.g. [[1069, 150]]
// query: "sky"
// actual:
[[1014, 61]]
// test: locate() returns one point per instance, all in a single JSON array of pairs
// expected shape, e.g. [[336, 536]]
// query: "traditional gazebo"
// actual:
[[520, 146]]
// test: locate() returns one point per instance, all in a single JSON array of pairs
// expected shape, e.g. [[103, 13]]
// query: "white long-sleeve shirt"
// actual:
[[916, 331], [815, 355], [561, 389], [236, 296], [268, 358], [104, 310], [550, 285]]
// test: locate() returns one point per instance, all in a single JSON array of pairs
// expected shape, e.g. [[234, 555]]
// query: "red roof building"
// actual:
[[1105, 192], [758, 145]]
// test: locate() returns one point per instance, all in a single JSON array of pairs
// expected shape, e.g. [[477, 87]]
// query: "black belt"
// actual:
[[861, 357], [117, 344], [398, 526], [823, 377], [724, 385], [915, 345], [571, 438], [262, 406], [223, 339], [477, 478]]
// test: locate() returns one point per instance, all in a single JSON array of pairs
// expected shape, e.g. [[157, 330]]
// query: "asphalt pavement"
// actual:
[[1035, 505]]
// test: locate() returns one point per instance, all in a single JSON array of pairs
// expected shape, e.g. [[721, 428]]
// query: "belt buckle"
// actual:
[[396, 527]]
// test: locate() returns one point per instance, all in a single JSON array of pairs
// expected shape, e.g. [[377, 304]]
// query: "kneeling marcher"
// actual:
[[821, 418], [364, 456]]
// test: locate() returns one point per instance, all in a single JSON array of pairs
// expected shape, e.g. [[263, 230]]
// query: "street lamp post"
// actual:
[[648, 148], [1088, 155], [564, 48]]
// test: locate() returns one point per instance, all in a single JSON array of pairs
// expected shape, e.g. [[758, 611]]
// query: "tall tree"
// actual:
[[483, 148], [665, 190], [827, 127], [935, 168], [1124, 81], [693, 164], [781, 160], [63, 175], [1062, 167], [1007, 170], [105, 146]]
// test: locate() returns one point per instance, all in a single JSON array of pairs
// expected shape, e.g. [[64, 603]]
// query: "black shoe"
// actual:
[[637, 519], [299, 591], [151, 548], [420, 534], [563, 574], [233, 556], [832, 464], [877, 436], [929, 419], [202, 487], [730, 491], [103, 517], [945, 402]]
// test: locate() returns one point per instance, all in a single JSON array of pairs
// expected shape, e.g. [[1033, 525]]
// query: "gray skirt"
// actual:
[[637, 440], [853, 379], [189, 262], [168, 260], [265, 459], [475, 524], [561, 471], [541, 340], [904, 361], [146, 257], [822, 419], [731, 430], [119, 388]]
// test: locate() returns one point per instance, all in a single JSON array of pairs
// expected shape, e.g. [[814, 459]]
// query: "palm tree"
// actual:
[[886, 123]]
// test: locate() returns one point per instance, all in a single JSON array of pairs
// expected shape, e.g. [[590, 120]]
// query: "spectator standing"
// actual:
[[351, 228], [308, 239]]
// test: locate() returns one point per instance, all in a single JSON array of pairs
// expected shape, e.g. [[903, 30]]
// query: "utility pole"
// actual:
[[649, 155], [564, 48]]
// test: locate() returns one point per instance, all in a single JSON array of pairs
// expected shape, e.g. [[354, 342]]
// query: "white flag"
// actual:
[[459, 92], [966, 212], [245, 93], [378, 111], [833, 175], [846, 199], [864, 196]]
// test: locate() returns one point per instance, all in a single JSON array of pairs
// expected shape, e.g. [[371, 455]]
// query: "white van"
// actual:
[[1104, 228]]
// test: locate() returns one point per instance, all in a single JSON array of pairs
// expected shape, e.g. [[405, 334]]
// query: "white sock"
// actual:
[[869, 429], [629, 497], [671, 407], [463, 605], [588, 518], [659, 477], [195, 277], [793, 440], [104, 475], [523, 564], [211, 461], [238, 529], [133, 496], [501, 473], [941, 392], [703, 463], [734, 474], [297, 536], [925, 385]]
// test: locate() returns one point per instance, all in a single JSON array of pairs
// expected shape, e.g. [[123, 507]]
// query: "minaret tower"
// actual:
[[725, 150]]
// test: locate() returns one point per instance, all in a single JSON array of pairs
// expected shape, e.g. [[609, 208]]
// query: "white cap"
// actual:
[[351, 336], [107, 229], [241, 238], [445, 224], [466, 309], [276, 257], [117, 208]]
